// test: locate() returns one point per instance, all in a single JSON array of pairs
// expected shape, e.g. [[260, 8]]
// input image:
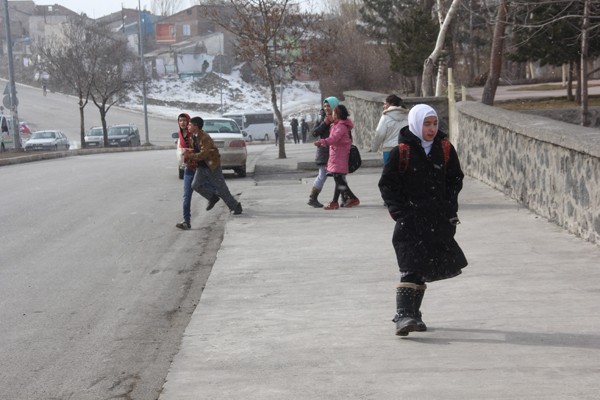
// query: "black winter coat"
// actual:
[[422, 201], [321, 131]]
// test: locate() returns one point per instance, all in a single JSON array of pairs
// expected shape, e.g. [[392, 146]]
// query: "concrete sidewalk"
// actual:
[[300, 301]]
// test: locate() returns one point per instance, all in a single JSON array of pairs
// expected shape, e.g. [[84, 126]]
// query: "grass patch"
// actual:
[[544, 103], [545, 86]]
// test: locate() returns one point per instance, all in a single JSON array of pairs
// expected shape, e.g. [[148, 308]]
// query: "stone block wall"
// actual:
[[551, 167]]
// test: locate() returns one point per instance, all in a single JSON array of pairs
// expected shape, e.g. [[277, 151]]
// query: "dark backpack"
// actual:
[[404, 150], [354, 161]]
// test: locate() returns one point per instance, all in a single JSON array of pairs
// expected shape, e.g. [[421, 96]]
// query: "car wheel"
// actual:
[[240, 171], [181, 171]]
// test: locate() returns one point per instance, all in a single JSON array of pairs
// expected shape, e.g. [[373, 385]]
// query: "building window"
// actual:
[[186, 30]]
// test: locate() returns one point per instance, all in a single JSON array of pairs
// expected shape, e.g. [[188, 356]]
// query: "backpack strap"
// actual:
[[404, 149], [446, 147]]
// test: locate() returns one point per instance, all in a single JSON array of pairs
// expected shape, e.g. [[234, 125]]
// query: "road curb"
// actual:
[[23, 157]]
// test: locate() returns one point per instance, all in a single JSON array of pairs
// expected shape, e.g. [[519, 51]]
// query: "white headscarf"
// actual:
[[416, 116]]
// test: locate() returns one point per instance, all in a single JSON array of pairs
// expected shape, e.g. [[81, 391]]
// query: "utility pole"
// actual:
[[141, 40], [11, 79]]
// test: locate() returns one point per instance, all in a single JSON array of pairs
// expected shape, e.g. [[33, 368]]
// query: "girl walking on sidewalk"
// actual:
[[339, 143], [420, 185]]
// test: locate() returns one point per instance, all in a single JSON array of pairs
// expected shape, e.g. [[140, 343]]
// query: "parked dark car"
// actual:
[[123, 135]]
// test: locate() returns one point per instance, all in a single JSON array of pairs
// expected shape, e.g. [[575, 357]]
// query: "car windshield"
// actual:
[[43, 135], [220, 126], [118, 131], [95, 132]]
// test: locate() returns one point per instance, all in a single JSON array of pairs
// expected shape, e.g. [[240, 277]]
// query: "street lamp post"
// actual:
[[11, 80], [141, 40]]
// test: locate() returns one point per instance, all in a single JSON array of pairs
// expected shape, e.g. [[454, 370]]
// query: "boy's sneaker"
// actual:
[[238, 209], [211, 203], [183, 225]]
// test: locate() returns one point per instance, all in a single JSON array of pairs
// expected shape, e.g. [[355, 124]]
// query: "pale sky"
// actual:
[[99, 8]]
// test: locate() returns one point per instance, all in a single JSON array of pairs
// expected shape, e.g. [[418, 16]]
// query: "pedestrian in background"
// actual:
[[209, 180], [339, 143], [420, 185], [303, 129], [294, 124], [394, 118], [321, 131]]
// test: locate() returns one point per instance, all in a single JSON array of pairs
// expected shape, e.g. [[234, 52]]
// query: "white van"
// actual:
[[258, 125]]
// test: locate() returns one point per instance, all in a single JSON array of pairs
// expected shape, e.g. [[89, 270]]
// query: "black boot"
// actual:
[[405, 319], [421, 327], [312, 199]]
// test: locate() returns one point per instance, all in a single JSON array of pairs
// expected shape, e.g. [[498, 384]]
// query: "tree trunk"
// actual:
[[578, 89], [570, 82], [491, 84], [82, 121], [431, 61], [585, 26]]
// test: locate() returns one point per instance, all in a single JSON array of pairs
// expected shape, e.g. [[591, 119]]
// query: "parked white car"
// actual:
[[47, 140], [94, 137], [230, 141]]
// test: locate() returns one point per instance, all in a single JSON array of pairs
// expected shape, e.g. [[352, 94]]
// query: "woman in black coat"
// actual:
[[420, 185]]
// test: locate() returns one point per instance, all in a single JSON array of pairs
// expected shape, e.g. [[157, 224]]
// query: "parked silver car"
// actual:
[[230, 141], [47, 140], [94, 137]]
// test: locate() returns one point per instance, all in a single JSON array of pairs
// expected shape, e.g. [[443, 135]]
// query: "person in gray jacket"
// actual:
[[394, 118]]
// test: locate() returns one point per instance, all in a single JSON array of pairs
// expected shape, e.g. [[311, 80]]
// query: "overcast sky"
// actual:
[[100, 8]]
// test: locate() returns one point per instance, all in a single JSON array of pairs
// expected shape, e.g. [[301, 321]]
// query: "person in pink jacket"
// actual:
[[339, 142]]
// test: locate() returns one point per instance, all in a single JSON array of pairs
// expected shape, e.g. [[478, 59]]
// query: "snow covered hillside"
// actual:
[[202, 96]]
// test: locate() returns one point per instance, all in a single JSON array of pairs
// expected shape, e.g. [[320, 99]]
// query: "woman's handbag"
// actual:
[[354, 161]]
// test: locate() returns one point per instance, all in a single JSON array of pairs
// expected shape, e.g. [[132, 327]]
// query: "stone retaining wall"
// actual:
[[551, 167]]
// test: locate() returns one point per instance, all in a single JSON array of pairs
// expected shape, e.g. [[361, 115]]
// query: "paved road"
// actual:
[[299, 303], [96, 283], [59, 111]]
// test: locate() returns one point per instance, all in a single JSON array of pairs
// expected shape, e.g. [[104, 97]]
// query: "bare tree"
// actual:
[[70, 61], [117, 73], [431, 61], [273, 36], [585, 36], [164, 8]]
